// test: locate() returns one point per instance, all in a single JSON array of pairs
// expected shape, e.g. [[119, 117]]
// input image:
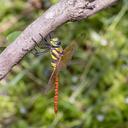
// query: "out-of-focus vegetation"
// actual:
[[93, 88]]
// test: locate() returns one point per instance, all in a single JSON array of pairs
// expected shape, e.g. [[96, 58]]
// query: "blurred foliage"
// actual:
[[94, 91]]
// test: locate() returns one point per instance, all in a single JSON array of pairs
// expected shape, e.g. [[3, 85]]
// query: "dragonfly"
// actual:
[[60, 59]]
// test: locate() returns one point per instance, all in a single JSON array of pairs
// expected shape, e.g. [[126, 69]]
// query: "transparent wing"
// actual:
[[68, 53], [52, 79]]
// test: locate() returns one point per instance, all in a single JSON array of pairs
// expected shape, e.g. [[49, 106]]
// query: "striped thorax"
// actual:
[[56, 51]]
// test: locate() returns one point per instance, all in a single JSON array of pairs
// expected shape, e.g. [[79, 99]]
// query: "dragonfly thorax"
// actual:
[[56, 51], [55, 42]]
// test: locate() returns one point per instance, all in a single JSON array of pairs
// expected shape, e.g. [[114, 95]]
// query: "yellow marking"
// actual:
[[54, 57], [56, 53], [55, 39], [52, 42], [53, 65], [59, 50]]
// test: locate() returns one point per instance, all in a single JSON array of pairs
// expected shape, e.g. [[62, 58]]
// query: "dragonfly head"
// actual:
[[55, 42]]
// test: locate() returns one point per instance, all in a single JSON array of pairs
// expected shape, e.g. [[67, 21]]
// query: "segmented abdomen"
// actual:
[[56, 95]]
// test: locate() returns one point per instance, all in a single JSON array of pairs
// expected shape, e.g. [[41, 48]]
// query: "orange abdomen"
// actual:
[[56, 95]]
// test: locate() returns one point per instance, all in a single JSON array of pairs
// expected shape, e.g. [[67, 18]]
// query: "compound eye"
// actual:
[[58, 43]]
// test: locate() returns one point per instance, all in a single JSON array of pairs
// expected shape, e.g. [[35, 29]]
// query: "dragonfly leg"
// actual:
[[35, 42], [50, 37], [34, 53], [44, 40], [38, 53], [41, 47]]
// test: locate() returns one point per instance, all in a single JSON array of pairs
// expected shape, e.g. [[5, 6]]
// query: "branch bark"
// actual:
[[58, 14]]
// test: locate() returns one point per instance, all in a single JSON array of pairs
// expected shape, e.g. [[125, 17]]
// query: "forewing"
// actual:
[[68, 53], [51, 81]]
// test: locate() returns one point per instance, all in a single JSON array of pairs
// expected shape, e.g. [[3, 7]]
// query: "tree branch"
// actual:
[[58, 14]]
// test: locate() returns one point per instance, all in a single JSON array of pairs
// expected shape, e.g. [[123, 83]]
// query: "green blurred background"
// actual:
[[94, 87]]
